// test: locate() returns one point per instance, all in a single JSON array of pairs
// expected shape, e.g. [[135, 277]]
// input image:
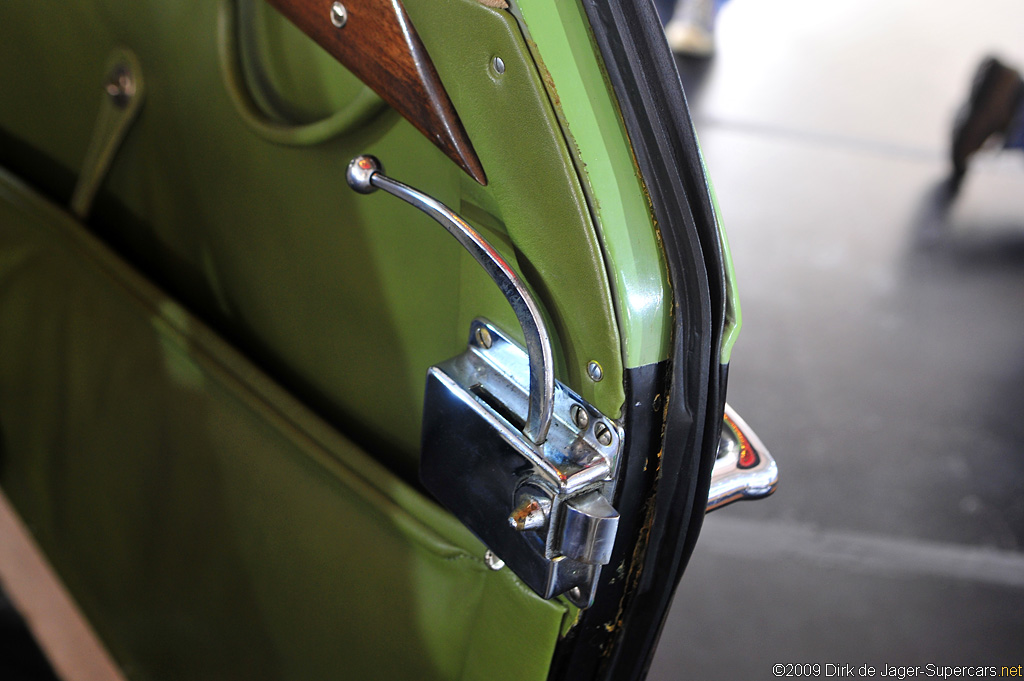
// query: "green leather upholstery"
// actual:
[[210, 526]]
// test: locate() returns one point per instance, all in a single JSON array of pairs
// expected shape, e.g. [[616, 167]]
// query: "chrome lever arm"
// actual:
[[365, 175]]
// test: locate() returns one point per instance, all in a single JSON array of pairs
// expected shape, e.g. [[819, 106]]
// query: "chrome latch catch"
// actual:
[[543, 509]]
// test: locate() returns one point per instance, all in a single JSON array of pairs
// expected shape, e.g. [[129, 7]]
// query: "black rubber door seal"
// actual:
[[674, 408]]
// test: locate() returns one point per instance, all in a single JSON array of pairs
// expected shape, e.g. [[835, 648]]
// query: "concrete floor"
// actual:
[[882, 355]]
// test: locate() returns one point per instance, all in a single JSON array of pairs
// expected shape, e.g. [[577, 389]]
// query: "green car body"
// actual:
[[212, 374]]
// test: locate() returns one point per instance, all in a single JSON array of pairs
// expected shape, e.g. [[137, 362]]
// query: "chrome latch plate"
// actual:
[[543, 509]]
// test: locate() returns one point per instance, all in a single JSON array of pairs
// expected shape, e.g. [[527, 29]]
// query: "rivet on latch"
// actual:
[[339, 15], [121, 85], [603, 433], [595, 371], [498, 65], [580, 417], [492, 561], [483, 337], [575, 594], [530, 514]]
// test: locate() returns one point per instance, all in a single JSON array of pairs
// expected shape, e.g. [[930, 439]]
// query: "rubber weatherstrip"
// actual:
[[662, 513]]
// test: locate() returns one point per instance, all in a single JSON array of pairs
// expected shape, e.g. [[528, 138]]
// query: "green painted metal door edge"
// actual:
[[534, 193], [733, 312], [560, 38]]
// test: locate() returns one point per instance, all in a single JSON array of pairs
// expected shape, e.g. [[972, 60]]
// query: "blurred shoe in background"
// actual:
[[994, 109], [691, 32]]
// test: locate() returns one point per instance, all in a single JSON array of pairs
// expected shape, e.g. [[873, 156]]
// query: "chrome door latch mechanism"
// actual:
[[542, 508], [522, 460]]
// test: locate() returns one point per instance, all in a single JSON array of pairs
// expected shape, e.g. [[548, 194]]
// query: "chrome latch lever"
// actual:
[[366, 175], [518, 457]]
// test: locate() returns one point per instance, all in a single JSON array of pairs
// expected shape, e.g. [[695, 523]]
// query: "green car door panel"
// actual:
[[263, 60], [209, 524], [346, 299], [214, 353]]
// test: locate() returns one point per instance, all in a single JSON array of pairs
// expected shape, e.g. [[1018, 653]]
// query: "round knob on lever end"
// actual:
[[360, 173], [531, 514]]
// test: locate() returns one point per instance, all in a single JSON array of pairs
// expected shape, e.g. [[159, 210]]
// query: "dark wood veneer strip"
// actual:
[[380, 46]]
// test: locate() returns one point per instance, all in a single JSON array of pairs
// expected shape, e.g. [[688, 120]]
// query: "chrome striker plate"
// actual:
[[543, 509], [744, 469]]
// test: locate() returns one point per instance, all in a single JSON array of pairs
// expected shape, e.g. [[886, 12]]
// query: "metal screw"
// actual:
[[339, 15], [580, 417], [483, 337], [595, 371], [498, 65], [492, 561], [121, 85], [603, 433], [575, 594]]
